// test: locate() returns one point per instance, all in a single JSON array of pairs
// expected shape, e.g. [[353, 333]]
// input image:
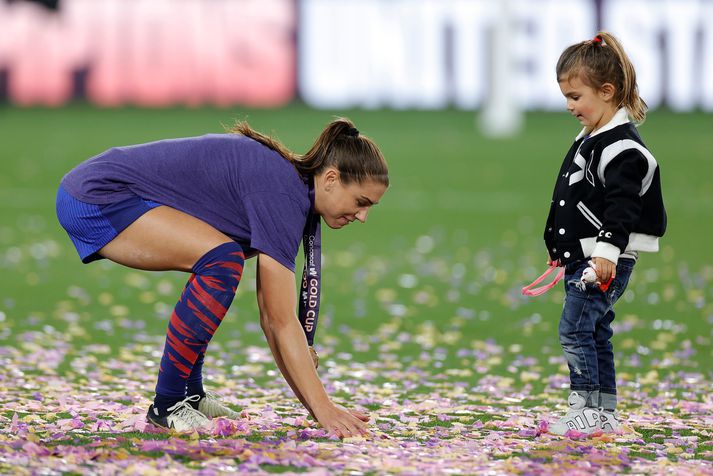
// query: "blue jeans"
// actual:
[[585, 329]]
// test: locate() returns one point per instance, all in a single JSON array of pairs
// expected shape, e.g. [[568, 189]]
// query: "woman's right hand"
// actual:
[[342, 422], [551, 262], [289, 347]]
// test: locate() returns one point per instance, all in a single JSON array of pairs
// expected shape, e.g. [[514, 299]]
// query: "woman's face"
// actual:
[[339, 204]]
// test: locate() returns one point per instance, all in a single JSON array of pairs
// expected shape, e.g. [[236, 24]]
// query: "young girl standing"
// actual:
[[606, 207]]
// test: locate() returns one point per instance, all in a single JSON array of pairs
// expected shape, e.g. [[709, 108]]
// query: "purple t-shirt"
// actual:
[[237, 185]]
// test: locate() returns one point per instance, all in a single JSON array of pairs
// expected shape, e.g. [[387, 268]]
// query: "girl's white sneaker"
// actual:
[[609, 421], [579, 417]]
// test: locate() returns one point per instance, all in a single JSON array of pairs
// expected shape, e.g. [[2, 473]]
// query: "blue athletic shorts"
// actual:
[[91, 227]]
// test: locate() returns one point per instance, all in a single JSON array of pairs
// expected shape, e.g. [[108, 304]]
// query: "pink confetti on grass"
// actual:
[[226, 427], [462, 424]]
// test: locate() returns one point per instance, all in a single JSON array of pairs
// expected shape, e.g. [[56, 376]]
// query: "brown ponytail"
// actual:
[[603, 60], [340, 145]]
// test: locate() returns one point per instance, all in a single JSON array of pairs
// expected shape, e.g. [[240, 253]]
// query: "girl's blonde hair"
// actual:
[[340, 145], [603, 60]]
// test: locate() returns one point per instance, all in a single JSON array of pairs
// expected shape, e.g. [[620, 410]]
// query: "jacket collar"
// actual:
[[620, 117]]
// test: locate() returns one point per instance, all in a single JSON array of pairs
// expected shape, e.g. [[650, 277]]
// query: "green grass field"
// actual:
[[421, 315]]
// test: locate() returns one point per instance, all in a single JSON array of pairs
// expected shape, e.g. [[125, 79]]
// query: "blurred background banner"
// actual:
[[430, 54], [422, 54], [148, 52]]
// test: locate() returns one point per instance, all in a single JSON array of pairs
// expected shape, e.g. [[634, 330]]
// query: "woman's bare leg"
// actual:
[[163, 239]]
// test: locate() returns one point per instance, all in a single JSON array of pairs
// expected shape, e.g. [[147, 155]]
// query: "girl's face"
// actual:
[[340, 204], [592, 108]]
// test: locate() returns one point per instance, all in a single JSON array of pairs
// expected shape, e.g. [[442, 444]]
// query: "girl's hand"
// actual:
[[342, 422], [551, 262], [606, 270]]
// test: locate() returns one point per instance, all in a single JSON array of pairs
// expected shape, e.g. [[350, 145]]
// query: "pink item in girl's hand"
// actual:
[[530, 290]]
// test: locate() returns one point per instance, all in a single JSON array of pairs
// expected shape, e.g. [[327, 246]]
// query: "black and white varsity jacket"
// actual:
[[607, 199]]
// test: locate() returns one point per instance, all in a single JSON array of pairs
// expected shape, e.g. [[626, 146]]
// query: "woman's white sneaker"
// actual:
[[181, 417], [211, 406]]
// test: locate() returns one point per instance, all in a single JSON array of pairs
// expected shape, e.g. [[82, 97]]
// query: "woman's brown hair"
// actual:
[[340, 145], [603, 60]]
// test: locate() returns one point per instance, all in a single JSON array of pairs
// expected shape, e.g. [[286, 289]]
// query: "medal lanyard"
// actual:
[[311, 275]]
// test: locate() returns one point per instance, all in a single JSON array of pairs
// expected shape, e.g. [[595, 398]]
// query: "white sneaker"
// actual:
[[211, 406], [182, 417], [609, 421], [579, 417]]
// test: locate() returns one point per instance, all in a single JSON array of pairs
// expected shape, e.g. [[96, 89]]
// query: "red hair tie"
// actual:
[[597, 39]]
